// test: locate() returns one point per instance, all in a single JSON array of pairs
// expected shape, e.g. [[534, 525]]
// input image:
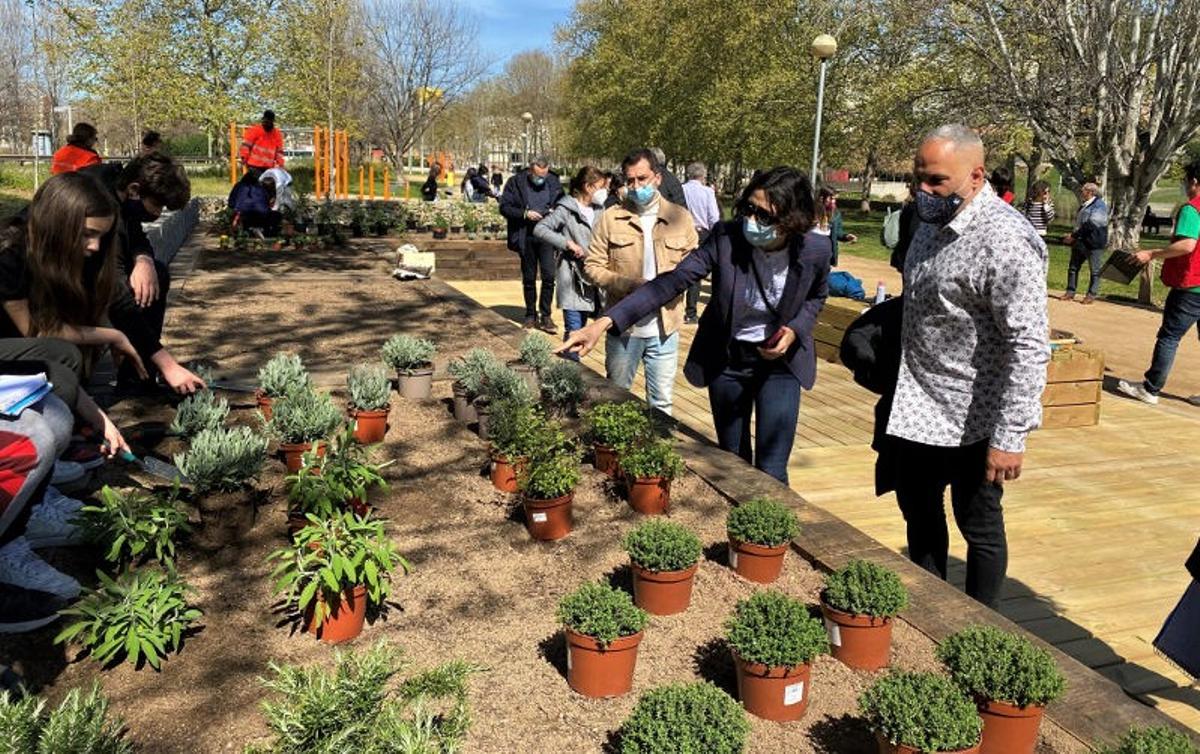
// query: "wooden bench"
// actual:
[[1074, 376]]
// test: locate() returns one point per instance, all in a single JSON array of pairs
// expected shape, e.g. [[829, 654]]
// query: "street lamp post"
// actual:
[[528, 118], [823, 48]]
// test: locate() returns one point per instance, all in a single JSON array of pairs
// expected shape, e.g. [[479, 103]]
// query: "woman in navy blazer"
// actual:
[[753, 349]]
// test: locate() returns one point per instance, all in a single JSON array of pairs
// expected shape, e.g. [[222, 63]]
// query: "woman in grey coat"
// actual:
[[568, 229]]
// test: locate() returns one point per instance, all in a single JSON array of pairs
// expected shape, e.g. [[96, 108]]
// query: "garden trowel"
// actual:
[[155, 467]]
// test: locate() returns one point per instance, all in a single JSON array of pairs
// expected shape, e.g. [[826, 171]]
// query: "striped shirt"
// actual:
[[1039, 214]]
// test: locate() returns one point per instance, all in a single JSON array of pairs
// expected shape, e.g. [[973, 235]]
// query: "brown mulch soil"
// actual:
[[480, 590]]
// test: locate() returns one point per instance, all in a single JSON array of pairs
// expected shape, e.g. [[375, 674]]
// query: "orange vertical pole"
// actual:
[[360, 182], [371, 171], [337, 165], [387, 188], [345, 166], [233, 153]]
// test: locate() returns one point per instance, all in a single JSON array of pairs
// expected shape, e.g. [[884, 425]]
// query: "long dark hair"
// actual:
[[790, 192], [587, 175], [58, 293]]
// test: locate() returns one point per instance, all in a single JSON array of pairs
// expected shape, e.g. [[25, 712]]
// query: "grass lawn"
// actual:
[[867, 227]]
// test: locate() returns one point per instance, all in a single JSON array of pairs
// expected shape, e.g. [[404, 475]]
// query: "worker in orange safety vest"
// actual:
[[79, 151], [262, 145]]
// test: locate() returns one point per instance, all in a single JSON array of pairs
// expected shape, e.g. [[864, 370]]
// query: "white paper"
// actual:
[[732, 557], [539, 518], [568, 658], [835, 633], [793, 693]]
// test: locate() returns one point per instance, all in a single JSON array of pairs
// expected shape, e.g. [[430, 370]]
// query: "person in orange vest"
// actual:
[[262, 146], [78, 152]]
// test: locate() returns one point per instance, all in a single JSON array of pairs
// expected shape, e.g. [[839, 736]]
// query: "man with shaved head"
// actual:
[[974, 351]]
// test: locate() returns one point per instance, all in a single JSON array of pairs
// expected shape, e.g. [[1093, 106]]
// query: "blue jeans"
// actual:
[[1095, 260], [573, 320], [769, 391], [660, 357], [1181, 311]]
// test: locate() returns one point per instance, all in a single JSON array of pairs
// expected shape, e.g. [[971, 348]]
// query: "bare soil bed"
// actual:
[[481, 589]]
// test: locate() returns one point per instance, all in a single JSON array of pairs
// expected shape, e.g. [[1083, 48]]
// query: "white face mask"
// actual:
[[599, 196]]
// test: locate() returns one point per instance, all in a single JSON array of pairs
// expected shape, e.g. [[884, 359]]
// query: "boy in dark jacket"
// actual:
[[527, 198]]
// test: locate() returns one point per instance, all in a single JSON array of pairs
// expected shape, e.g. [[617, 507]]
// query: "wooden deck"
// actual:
[[1099, 524]]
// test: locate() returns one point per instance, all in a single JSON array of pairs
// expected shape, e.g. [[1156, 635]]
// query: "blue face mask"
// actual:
[[937, 210], [758, 235], [537, 180], [642, 195]]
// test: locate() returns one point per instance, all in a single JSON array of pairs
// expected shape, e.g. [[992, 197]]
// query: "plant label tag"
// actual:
[[539, 518], [793, 693], [732, 557], [835, 633], [568, 659]]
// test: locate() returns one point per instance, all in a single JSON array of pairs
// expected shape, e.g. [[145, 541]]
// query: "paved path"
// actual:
[[1099, 525]]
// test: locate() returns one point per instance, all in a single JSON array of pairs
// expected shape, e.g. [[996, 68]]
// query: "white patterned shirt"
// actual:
[[975, 337]]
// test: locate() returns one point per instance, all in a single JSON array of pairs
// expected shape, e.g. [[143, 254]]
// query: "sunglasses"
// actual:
[[762, 216]]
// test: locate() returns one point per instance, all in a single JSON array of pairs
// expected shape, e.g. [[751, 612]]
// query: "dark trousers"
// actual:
[[537, 256], [1095, 260], [270, 223], [766, 389], [692, 300], [154, 316], [1181, 311], [923, 473]]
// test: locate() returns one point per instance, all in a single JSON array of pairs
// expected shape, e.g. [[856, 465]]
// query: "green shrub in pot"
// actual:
[[924, 711], [651, 459], [562, 387], [1159, 739], [770, 628], [535, 351], [617, 424], [197, 412], [501, 383], [470, 370], [407, 354], [661, 546], [865, 588], [602, 612], [325, 484], [281, 375], [763, 521], [685, 718], [304, 416], [549, 475], [369, 387], [995, 665]]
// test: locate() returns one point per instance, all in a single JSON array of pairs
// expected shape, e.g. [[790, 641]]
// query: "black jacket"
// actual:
[[871, 350], [1193, 563], [671, 189], [520, 196]]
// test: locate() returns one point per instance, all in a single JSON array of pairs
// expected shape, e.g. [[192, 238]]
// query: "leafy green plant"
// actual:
[[199, 412], [223, 459], [141, 616], [1159, 739], [651, 459], [329, 556], [562, 387], [535, 351], [356, 706], [1002, 667], [762, 521], [925, 711], [659, 545], [602, 612], [369, 387], [502, 383], [281, 375], [441, 222], [134, 526], [865, 588], [79, 724], [469, 371], [549, 475], [618, 424], [304, 416], [685, 718], [407, 354], [325, 484], [773, 629], [518, 429]]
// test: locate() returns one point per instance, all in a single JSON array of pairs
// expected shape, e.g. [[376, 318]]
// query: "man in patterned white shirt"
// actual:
[[975, 343]]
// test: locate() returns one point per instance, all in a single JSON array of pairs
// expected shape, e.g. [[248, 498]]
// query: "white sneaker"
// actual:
[[66, 472], [1137, 391], [21, 567], [51, 523]]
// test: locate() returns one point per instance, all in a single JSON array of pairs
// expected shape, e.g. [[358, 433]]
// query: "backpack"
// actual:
[[889, 234]]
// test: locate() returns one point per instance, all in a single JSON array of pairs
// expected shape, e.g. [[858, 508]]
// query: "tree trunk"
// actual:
[[869, 179], [1127, 206]]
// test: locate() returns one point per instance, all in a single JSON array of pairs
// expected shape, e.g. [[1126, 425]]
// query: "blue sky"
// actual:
[[507, 27]]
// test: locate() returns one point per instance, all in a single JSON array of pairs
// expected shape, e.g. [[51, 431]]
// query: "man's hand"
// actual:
[[144, 281], [1143, 257], [533, 216], [1003, 466], [851, 238], [576, 249], [583, 340], [786, 337], [181, 379]]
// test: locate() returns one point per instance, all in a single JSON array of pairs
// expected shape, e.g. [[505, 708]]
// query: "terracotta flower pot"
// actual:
[[779, 694], [596, 670], [370, 426], [464, 409], [862, 642], [293, 453], [651, 496], [549, 520], [360, 507], [483, 418], [1008, 729], [504, 473], [225, 517], [605, 459], [889, 748], [755, 562], [264, 404], [345, 621], [663, 592], [417, 385]]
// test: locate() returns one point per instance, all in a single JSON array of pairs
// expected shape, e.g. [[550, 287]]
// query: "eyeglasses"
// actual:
[[763, 216]]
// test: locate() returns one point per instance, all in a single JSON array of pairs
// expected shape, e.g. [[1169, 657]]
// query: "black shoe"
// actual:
[[24, 610], [546, 324], [690, 319], [531, 322]]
